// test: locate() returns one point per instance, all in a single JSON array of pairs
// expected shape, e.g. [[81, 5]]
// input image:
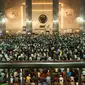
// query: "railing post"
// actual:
[[65, 76], [79, 81], [8, 76], [22, 76], [51, 76], [37, 76]]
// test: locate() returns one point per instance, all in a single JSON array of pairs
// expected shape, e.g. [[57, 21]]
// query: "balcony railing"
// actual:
[[49, 64], [77, 65]]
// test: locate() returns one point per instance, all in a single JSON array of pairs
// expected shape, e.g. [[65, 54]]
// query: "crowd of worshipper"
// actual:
[[30, 76], [61, 76], [42, 47], [3, 76], [42, 76]]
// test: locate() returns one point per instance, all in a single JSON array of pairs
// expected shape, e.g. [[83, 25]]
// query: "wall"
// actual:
[[14, 16], [37, 10], [68, 14]]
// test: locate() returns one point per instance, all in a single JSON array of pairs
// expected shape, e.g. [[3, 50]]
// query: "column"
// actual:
[[2, 17], [82, 16], [29, 15], [55, 16]]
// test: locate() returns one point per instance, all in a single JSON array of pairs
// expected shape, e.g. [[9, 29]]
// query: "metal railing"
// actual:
[[49, 64], [26, 64]]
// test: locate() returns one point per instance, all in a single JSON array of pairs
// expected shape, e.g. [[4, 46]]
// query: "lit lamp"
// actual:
[[4, 20], [23, 3], [7, 31], [55, 21], [80, 19], [19, 32], [28, 21]]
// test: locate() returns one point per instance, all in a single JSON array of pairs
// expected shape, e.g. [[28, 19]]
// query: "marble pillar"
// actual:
[[55, 16], [29, 15], [82, 15], [2, 18]]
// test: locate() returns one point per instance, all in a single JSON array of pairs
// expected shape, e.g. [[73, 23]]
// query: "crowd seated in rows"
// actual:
[[42, 48]]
